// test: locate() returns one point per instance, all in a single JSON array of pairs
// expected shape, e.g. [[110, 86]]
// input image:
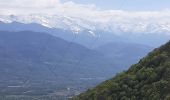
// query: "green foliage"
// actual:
[[147, 80]]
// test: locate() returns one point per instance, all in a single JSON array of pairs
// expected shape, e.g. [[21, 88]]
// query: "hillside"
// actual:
[[147, 80], [39, 63]]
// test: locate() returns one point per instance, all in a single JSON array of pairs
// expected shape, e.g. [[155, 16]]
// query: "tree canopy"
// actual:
[[147, 80]]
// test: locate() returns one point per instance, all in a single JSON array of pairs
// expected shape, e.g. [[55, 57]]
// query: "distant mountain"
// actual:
[[88, 37], [31, 60], [84, 38], [124, 54], [147, 80], [79, 23]]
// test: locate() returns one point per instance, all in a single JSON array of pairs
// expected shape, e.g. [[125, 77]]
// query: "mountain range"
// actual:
[[114, 23], [84, 34]]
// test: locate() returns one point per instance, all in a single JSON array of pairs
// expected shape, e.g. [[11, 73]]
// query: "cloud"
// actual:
[[27, 6], [87, 16], [29, 3]]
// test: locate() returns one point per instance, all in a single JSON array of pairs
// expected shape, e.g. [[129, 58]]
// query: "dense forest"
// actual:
[[147, 80]]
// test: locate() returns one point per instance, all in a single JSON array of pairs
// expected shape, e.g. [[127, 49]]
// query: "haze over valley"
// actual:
[[69, 49]]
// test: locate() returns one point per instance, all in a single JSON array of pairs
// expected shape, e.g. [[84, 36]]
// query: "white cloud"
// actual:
[[29, 3], [54, 14], [27, 6]]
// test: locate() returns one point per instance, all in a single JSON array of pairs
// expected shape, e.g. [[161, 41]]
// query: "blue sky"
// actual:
[[128, 4]]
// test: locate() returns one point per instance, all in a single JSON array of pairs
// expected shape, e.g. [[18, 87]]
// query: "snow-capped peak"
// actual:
[[131, 24], [92, 33]]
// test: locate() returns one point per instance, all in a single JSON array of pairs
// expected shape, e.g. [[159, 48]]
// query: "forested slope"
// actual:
[[147, 80]]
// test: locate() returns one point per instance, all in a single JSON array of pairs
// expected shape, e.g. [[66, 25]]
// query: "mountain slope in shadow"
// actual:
[[31, 59]]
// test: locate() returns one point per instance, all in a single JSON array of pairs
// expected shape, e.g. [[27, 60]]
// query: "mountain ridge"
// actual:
[[78, 24], [87, 37]]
